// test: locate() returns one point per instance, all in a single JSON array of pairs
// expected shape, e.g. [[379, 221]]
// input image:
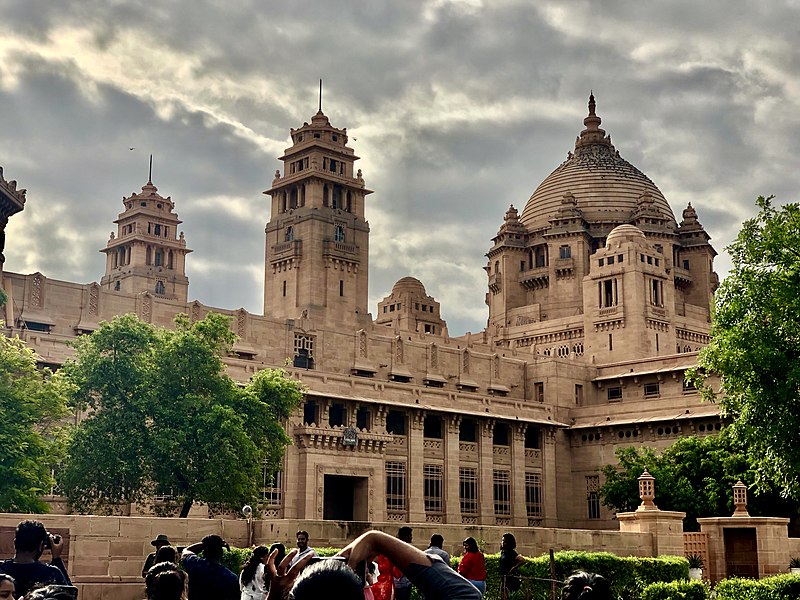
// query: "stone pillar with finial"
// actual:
[[664, 527], [740, 500]]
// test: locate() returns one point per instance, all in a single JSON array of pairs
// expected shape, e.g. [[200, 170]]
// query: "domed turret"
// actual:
[[624, 233], [409, 308]]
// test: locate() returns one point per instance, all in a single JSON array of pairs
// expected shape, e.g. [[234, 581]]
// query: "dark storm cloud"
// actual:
[[458, 108]]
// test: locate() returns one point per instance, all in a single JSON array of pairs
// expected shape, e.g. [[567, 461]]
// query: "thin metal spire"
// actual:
[[150, 174], [320, 95]]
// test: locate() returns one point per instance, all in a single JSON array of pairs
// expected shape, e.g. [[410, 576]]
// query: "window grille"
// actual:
[[593, 496], [533, 494], [432, 488], [502, 493], [271, 486], [395, 486], [468, 486]]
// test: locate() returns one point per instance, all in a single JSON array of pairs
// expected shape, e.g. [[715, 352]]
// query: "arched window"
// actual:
[[159, 258], [289, 233], [349, 206], [171, 260], [324, 195], [148, 256], [160, 289], [338, 234]]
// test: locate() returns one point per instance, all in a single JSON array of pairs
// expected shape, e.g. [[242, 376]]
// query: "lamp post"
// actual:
[[247, 511]]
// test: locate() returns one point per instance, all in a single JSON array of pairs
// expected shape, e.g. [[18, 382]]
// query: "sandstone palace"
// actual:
[[598, 298]]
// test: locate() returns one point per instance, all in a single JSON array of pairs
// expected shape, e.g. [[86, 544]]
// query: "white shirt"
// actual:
[[256, 589], [302, 554]]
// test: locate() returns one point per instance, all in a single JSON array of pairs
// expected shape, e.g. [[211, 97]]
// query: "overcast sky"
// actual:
[[458, 108]]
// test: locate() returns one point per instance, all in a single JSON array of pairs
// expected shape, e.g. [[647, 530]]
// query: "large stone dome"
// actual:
[[606, 188]]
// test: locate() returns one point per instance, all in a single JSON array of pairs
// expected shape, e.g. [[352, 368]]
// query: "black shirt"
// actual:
[[28, 574]]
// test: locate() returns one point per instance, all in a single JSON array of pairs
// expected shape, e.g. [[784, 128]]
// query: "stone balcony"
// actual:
[[536, 278], [285, 250], [340, 250]]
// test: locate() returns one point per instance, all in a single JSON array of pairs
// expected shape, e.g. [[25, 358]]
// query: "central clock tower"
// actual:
[[317, 240]]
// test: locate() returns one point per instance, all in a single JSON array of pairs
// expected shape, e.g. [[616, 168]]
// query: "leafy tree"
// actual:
[[165, 418], [32, 403], [755, 346], [694, 475]]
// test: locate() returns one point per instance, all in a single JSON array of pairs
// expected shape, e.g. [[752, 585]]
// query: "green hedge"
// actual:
[[628, 575], [779, 587], [676, 590]]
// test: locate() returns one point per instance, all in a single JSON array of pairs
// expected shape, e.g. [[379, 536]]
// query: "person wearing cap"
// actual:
[[209, 579], [160, 540]]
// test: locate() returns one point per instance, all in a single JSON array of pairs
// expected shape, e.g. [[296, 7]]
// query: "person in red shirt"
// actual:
[[472, 566], [383, 589]]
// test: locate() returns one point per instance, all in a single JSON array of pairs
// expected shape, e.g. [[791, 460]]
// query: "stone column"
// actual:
[[486, 473], [519, 512], [549, 479], [414, 483], [452, 498]]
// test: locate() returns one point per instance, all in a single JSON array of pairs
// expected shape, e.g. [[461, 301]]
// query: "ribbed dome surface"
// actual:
[[605, 186], [410, 285]]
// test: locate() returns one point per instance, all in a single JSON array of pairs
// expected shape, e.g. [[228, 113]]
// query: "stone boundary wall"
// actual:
[[106, 553]]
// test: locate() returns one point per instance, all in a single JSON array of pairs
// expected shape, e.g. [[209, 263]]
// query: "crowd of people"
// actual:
[[375, 566]]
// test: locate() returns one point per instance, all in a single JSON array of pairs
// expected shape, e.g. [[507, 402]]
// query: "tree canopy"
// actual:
[[31, 406], [755, 345], [165, 419], [695, 475]]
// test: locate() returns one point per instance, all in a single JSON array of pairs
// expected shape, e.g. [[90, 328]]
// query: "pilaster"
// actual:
[[549, 478], [416, 450], [519, 511], [486, 470], [452, 497]]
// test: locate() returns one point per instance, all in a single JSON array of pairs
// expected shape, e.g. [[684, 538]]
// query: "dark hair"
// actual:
[[53, 592], [437, 540], [168, 585], [471, 544], [404, 532], [249, 570], [9, 578], [511, 541], [166, 554], [153, 572], [586, 586], [299, 533], [212, 547], [328, 579], [28, 535], [281, 552]]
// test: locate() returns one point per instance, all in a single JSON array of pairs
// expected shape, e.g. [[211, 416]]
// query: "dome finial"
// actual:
[[591, 103]]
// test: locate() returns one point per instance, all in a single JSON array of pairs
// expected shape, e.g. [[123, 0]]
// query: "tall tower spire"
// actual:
[[317, 246], [147, 253]]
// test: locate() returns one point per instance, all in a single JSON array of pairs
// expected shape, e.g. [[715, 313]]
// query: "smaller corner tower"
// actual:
[[695, 278], [317, 240], [147, 253], [12, 201]]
